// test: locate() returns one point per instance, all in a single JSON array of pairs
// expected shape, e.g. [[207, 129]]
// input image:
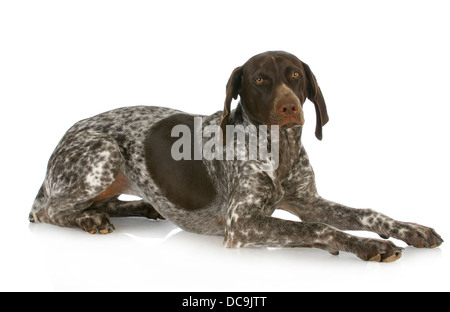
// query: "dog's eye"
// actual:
[[259, 80], [295, 75]]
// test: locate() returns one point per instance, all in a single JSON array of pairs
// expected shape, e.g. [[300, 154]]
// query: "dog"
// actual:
[[131, 151]]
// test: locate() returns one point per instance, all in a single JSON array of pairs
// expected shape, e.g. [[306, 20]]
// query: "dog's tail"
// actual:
[[38, 203]]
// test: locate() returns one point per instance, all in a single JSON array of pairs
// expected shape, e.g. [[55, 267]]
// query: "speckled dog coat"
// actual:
[[128, 151]]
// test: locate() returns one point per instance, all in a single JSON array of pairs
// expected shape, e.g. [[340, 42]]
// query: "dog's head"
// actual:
[[273, 87]]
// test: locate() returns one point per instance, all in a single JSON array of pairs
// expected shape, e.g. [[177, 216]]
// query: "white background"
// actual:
[[383, 68]]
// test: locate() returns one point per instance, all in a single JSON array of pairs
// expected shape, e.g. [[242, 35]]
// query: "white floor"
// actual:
[[145, 255]]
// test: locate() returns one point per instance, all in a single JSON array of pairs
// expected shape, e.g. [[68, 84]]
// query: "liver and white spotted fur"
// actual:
[[110, 149]]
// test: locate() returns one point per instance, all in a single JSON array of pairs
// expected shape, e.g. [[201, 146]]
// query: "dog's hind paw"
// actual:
[[95, 222]]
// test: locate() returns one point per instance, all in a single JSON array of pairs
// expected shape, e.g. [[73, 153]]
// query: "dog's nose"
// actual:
[[287, 108]]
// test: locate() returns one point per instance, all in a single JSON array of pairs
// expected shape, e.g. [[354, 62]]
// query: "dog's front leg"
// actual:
[[249, 224], [257, 230], [342, 217]]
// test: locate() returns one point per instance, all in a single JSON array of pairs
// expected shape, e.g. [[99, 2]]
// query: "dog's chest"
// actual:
[[294, 172], [289, 154]]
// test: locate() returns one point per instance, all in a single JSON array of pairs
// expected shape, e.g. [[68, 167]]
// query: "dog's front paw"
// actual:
[[377, 250], [418, 235]]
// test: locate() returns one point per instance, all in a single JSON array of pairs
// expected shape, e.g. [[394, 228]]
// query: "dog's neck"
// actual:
[[238, 117], [289, 140]]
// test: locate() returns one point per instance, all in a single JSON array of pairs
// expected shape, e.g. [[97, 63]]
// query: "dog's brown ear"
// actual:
[[315, 95], [233, 87]]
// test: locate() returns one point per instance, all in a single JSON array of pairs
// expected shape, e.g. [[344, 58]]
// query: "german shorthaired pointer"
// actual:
[[129, 151]]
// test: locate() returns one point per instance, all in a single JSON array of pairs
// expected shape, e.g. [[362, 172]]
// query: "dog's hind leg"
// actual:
[[84, 166], [118, 208]]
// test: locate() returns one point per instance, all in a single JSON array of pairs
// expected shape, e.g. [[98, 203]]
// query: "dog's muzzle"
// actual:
[[290, 114]]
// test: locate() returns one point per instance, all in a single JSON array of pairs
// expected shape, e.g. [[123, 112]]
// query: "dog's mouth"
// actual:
[[286, 121], [292, 121], [290, 125]]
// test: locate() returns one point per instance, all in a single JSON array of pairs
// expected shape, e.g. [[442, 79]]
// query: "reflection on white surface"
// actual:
[[153, 255]]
